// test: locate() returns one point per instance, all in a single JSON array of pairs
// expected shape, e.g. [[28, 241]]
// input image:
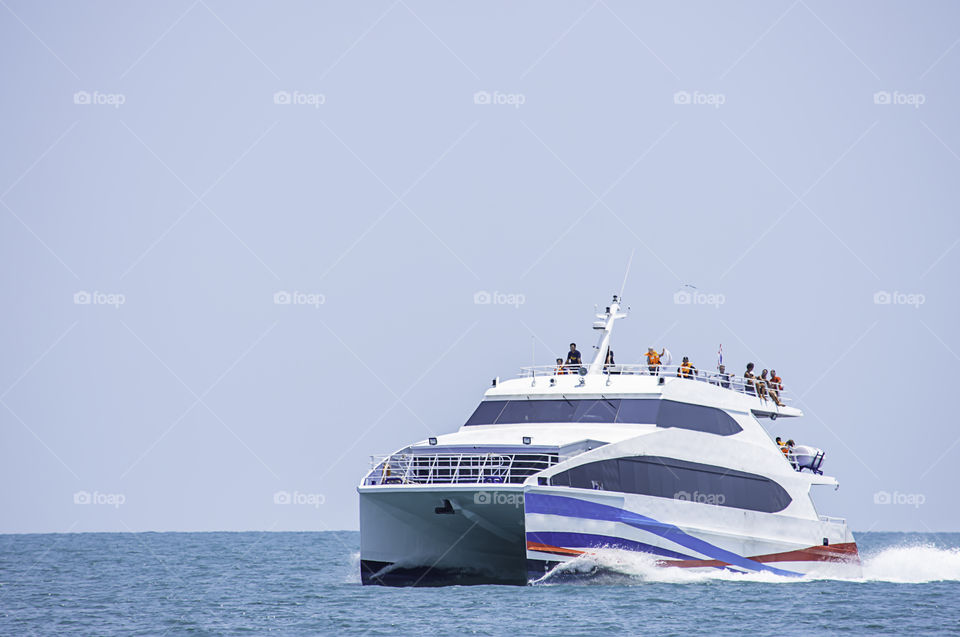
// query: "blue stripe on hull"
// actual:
[[590, 540], [576, 508]]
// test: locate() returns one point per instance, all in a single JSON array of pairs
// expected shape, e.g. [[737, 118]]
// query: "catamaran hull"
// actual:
[[430, 536], [415, 536], [564, 524]]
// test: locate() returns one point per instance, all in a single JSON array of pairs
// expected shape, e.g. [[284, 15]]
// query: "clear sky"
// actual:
[[166, 169]]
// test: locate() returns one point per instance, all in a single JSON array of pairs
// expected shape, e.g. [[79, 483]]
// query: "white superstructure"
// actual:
[[561, 462]]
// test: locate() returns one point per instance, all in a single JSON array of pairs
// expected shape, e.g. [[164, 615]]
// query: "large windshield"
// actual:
[[649, 411]]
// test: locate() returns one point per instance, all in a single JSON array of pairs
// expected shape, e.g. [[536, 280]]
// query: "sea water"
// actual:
[[309, 584]]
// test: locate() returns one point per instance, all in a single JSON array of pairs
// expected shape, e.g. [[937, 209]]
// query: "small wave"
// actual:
[[353, 571], [906, 564]]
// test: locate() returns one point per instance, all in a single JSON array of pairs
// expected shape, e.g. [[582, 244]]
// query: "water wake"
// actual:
[[902, 564]]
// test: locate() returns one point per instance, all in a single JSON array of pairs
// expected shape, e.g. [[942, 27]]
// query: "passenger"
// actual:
[[686, 369], [653, 361], [748, 380], [775, 386], [723, 378], [573, 356], [789, 453], [782, 445], [559, 371], [762, 385], [608, 362]]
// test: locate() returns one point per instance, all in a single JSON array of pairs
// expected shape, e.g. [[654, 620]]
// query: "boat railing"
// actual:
[[727, 380], [457, 468]]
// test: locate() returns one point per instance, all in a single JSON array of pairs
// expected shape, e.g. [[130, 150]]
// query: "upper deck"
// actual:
[[725, 391]]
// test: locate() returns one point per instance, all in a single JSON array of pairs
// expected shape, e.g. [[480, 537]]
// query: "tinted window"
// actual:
[[663, 413], [696, 417], [641, 412], [487, 412], [678, 480]]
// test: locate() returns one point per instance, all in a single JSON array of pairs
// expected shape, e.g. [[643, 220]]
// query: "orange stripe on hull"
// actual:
[[832, 553], [557, 550]]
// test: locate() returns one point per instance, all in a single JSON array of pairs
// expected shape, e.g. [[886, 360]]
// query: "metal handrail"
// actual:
[[728, 380], [456, 468]]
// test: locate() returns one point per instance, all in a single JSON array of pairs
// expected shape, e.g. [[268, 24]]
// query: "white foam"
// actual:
[[912, 564]]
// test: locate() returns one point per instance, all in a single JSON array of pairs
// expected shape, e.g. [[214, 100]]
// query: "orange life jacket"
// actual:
[[653, 359]]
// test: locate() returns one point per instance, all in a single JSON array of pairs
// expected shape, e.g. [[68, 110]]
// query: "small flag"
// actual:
[[720, 356]]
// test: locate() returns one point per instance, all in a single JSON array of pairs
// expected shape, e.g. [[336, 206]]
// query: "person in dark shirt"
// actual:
[[573, 356]]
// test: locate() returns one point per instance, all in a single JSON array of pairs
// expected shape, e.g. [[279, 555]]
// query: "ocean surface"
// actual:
[[308, 584]]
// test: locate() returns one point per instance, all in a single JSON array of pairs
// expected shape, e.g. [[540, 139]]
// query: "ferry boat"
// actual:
[[563, 462]]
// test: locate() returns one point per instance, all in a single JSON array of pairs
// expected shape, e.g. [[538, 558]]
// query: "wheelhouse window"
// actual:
[[644, 411], [678, 480]]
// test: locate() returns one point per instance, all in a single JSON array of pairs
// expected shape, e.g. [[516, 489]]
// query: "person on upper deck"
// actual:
[[573, 356], [686, 369], [608, 362], [748, 379], [560, 370], [722, 377], [762, 385], [653, 361], [775, 386]]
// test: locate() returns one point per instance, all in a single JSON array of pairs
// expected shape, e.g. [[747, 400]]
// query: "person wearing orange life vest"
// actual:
[[783, 446], [775, 386], [686, 369], [559, 370], [653, 361]]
